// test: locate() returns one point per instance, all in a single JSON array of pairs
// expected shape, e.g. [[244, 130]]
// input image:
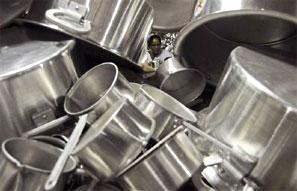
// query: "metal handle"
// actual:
[[64, 17], [241, 156], [60, 163], [46, 127]]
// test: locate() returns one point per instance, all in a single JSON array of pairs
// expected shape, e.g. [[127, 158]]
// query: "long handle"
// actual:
[[243, 157], [59, 166], [46, 127]]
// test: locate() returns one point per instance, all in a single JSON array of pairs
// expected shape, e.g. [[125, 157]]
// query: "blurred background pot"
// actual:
[[182, 83], [117, 26]]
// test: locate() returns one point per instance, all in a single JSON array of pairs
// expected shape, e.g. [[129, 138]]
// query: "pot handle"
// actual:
[[69, 20]]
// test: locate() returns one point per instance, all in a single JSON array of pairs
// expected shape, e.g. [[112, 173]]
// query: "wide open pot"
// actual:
[[119, 26], [164, 109], [166, 166], [26, 164], [114, 140], [171, 15], [254, 110], [206, 42], [182, 83], [34, 78], [96, 91]]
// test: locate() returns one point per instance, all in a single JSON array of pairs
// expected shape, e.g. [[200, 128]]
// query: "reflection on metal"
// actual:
[[206, 42], [119, 26]]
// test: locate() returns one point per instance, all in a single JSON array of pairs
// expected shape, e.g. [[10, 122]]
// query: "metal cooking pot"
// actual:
[[114, 140], [206, 42], [164, 109], [96, 91], [166, 166], [119, 26], [254, 110], [184, 84], [25, 165], [171, 16], [34, 77]]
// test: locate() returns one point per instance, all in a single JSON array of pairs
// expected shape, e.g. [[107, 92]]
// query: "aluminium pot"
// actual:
[[206, 42], [114, 140], [34, 78], [166, 166], [254, 110], [96, 91], [118, 26], [182, 83], [171, 15], [164, 109], [26, 164]]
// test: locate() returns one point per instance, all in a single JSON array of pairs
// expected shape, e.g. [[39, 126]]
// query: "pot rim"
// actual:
[[81, 79], [205, 19], [202, 82], [186, 114], [104, 121], [18, 164]]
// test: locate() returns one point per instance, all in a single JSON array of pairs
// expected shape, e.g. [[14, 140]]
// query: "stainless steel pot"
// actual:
[[254, 110], [206, 42], [96, 91], [166, 166], [182, 83], [25, 165], [171, 16], [164, 109], [119, 26], [34, 78], [114, 140]]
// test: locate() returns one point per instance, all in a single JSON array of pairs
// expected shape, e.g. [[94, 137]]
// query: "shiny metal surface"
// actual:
[[164, 109], [182, 83], [50, 140], [166, 166], [206, 42], [119, 26], [25, 165], [10, 9], [114, 140], [34, 77], [254, 110], [96, 91], [171, 15], [64, 157]]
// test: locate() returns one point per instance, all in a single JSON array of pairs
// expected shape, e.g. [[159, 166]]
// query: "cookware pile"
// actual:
[[77, 113]]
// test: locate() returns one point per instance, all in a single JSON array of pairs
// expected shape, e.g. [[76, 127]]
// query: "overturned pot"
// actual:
[[182, 83], [115, 26]]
